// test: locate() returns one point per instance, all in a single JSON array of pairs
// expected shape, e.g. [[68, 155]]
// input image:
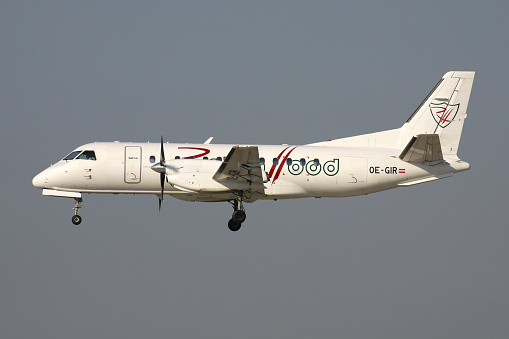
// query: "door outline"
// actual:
[[132, 165]]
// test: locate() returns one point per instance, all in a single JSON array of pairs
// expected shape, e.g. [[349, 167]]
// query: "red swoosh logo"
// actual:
[[278, 158], [204, 150], [282, 164]]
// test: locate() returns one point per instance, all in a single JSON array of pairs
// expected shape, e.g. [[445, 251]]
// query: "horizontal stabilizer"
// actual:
[[423, 148], [421, 181]]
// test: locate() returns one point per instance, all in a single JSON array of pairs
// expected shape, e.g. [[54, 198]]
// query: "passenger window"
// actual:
[[72, 155], [303, 162], [317, 162], [275, 161], [152, 159], [177, 157], [262, 161], [219, 158], [205, 158], [87, 155], [289, 161]]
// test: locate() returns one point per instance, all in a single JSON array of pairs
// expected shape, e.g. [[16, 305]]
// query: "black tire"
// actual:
[[76, 219], [239, 216], [233, 225]]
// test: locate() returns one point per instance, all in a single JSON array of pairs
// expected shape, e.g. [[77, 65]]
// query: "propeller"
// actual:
[[162, 175], [161, 169]]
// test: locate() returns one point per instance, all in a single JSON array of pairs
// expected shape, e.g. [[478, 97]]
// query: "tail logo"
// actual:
[[443, 113]]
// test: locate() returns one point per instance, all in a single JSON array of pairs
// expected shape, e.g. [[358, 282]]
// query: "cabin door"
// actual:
[[132, 164]]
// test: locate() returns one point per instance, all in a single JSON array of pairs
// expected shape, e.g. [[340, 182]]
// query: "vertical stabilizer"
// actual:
[[443, 112]]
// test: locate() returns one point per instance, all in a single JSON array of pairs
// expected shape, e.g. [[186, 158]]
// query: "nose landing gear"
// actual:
[[76, 218], [238, 216]]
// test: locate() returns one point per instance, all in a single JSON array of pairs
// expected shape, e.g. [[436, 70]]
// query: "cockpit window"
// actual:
[[87, 155], [72, 155]]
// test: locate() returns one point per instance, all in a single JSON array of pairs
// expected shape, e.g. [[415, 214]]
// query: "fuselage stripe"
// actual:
[[199, 155], [278, 158], [282, 165]]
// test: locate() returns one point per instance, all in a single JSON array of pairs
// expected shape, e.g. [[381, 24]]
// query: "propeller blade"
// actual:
[[161, 178], [162, 175], [163, 160]]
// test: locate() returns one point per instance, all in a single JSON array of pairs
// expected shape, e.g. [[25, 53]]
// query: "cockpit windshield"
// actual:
[[84, 155], [87, 155], [72, 155]]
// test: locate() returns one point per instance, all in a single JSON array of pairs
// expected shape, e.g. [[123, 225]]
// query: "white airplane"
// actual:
[[422, 150]]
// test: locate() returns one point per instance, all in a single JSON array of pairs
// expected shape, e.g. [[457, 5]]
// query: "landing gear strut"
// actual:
[[76, 218], [238, 216]]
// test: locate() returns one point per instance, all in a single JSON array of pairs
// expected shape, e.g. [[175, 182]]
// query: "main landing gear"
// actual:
[[76, 218], [238, 216]]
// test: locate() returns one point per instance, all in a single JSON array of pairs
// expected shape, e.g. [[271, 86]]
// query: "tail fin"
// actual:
[[443, 112]]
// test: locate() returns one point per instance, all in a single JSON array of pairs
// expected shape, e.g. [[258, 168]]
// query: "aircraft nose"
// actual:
[[39, 180]]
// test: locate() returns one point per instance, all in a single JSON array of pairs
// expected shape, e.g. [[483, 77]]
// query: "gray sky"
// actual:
[[429, 261]]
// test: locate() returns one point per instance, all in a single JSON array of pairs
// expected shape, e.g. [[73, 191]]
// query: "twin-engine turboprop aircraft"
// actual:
[[423, 149]]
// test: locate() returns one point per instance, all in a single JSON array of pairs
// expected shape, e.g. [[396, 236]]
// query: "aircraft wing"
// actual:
[[242, 165]]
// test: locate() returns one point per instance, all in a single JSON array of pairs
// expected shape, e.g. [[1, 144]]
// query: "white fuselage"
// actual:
[[292, 171]]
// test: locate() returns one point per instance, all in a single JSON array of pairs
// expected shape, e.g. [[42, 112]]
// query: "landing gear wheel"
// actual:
[[76, 219], [239, 216], [234, 226]]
